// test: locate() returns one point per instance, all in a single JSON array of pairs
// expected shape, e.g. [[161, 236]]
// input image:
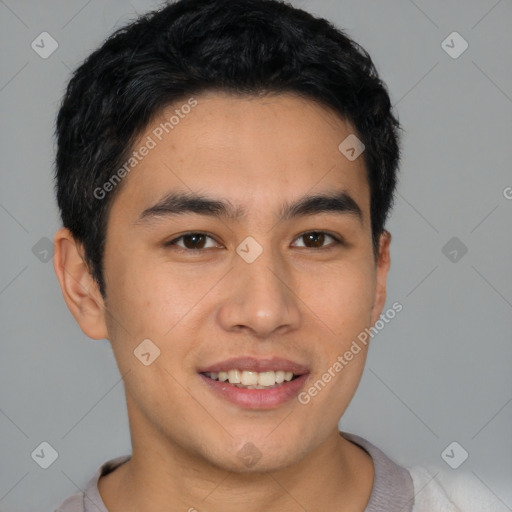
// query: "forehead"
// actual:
[[251, 150]]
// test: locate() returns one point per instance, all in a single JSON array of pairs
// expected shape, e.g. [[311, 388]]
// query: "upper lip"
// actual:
[[254, 364]]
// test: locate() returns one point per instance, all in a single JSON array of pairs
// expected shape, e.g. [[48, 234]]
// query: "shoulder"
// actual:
[[449, 491], [425, 488], [75, 503]]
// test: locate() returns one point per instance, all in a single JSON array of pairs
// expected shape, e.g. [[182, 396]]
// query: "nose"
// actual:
[[259, 298]]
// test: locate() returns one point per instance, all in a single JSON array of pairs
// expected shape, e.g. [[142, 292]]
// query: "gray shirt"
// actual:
[[392, 490]]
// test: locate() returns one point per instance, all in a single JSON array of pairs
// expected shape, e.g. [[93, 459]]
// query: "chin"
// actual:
[[260, 455], [255, 464]]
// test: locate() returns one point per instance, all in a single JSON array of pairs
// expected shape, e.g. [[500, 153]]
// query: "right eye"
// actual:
[[192, 241]]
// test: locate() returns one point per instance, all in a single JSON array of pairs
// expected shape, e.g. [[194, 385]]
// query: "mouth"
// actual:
[[254, 383], [252, 380]]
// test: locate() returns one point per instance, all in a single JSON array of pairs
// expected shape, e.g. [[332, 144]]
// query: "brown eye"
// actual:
[[317, 239], [192, 241], [195, 241]]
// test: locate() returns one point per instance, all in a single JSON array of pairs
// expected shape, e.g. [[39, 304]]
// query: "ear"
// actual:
[[382, 267], [79, 288]]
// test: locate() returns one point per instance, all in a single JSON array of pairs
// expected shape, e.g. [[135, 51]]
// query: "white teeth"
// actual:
[[234, 377], [252, 380], [249, 378], [279, 376], [266, 378]]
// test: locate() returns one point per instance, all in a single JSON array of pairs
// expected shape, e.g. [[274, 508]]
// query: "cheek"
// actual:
[[152, 298], [343, 307], [149, 302], [342, 297]]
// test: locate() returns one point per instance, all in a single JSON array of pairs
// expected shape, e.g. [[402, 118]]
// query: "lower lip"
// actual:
[[257, 398]]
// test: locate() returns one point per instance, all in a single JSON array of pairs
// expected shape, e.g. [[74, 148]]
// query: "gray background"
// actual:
[[439, 372]]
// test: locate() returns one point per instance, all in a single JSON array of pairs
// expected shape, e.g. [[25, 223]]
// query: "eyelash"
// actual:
[[337, 241]]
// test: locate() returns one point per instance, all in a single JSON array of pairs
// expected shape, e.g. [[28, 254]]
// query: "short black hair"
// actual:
[[242, 47]]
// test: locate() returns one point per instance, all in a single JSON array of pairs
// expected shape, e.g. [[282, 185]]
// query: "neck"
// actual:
[[337, 475]]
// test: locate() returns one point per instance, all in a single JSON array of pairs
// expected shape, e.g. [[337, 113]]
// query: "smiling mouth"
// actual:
[[252, 380]]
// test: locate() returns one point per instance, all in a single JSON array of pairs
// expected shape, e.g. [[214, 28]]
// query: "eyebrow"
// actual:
[[180, 203]]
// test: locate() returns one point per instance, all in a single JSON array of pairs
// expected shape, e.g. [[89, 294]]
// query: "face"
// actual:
[[263, 282]]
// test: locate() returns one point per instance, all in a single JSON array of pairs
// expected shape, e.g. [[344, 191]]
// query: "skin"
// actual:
[[299, 301]]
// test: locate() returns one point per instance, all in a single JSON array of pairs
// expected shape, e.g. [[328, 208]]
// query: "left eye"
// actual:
[[317, 239]]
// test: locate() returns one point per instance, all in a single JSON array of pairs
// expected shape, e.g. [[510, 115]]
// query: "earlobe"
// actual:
[[382, 267], [79, 288]]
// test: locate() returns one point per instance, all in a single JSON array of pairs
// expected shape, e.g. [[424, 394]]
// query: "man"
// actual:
[[224, 172]]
